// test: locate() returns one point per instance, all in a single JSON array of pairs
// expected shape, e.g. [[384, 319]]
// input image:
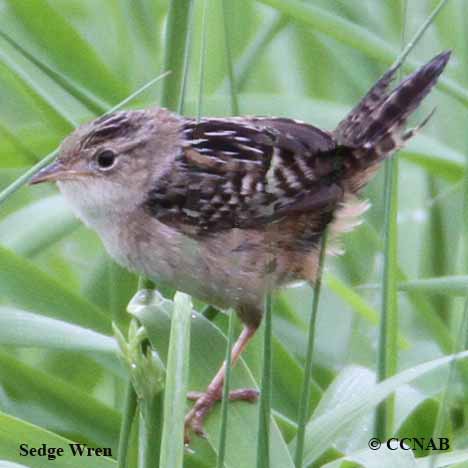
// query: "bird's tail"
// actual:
[[376, 126]]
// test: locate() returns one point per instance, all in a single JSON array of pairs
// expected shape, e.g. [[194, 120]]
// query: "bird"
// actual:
[[228, 209]]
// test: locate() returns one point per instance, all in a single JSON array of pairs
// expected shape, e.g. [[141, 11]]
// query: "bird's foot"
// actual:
[[204, 402]]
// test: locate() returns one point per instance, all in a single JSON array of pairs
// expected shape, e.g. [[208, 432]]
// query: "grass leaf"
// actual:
[[175, 393], [12, 430], [28, 287], [323, 429]]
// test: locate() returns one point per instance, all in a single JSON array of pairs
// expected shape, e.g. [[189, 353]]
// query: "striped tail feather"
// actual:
[[350, 126], [380, 111], [375, 128]]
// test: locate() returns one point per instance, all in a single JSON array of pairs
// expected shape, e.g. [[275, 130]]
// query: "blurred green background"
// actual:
[[63, 63]]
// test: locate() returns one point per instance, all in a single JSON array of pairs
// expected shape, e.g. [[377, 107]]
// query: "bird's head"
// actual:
[[108, 165]]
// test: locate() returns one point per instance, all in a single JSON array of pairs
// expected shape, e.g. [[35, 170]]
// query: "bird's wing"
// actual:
[[245, 173]]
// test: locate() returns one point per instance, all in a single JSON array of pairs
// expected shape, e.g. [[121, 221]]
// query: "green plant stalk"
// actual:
[[436, 259], [24, 179], [419, 33], [120, 389], [149, 436], [230, 71], [128, 415], [149, 414], [304, 403], [226, 388], [387, 357], [175, 52], [202, 61], [388, 334], [455, 285], [175, 392], [187, 56], [387, 354], [263, 442]]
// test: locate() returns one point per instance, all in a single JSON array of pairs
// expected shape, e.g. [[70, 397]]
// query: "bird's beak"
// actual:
[[51, 173], [54, 172]]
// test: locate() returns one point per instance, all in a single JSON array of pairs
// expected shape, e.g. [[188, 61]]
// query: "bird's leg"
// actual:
[[205, 401]]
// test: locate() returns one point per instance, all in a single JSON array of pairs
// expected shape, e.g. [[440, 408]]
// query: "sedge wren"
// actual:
[[228, 208]]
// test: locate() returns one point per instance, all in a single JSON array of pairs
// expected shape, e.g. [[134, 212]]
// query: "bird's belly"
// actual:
[[211, 273]]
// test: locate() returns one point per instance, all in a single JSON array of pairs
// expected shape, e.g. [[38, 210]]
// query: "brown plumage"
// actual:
[[227, 208]]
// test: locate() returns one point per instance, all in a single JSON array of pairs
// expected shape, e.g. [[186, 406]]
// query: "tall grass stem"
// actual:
[[304, 404]]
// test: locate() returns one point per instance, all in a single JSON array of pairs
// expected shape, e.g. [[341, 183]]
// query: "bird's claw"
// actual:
[[194, 420]]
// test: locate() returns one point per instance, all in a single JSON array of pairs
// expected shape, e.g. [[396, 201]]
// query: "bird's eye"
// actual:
[[105, 159]]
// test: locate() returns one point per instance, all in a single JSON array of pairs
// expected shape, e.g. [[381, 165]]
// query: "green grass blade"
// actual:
[[93, 103], [230, 71], [419, 34], [304, 409], [263, 442], [128, 415], [26, 177], [447, 285], [388, 348], [12, 430], [201, 84], [175, 52], [21, 328], [44, 399], [187, 59], [175, 394], [225, 401], [58, 116], [321, 431], [37, 226], [44, 25], [149, 435], [28, 287]]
